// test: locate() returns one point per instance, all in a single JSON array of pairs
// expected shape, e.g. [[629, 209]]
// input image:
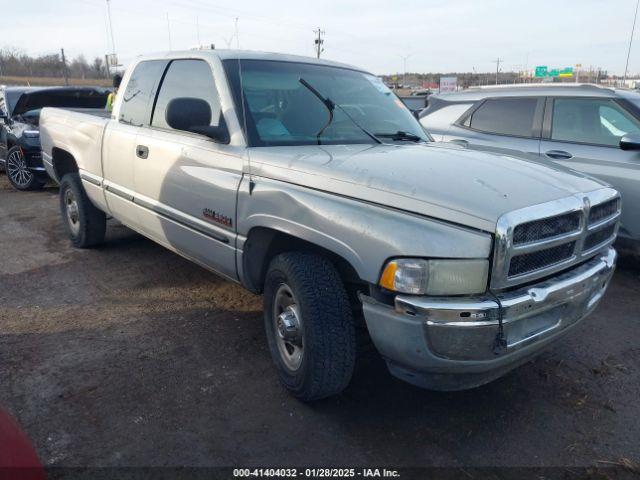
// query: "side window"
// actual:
[[140, 89], [444, 116], [591, 120], [186, 78], [505, 116]]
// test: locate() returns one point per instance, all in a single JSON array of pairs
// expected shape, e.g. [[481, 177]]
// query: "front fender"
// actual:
[[364, 234]]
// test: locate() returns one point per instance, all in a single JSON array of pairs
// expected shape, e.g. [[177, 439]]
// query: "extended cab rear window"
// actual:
[[136, 109], [505, 116], [186, 78]]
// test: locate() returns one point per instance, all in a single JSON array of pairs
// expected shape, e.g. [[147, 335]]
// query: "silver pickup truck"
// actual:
[[310, 182]]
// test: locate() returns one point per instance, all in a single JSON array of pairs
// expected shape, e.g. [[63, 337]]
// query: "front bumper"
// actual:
[[33, 159], [449, 343]]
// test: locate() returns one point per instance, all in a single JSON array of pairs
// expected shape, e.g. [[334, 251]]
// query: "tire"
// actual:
[[20, 177], [320, 355], [85, 224]]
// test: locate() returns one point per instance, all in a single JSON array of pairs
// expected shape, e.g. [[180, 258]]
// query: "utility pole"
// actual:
[[106, 66], [169, 30], [404, 68], [319, 41], [497, 61], [113, 42], [626, 67], [64, 67]]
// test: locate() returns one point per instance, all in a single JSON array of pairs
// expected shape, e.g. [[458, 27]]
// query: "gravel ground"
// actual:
[[129, 355]]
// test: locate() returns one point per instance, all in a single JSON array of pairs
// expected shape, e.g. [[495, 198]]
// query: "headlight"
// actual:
[[31, 133], [435, 277]]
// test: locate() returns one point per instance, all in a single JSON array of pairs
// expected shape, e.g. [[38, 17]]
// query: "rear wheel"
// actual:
[[85, 224], [19, 175], [309, 325]]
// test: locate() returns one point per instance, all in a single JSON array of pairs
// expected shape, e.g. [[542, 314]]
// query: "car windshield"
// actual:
[[279, 110]]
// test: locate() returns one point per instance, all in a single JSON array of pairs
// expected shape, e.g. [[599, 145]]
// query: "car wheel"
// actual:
[[19, 175], [85, 224], [309, 325]]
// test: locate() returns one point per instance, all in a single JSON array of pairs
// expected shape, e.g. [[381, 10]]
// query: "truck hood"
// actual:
[[438, 180]]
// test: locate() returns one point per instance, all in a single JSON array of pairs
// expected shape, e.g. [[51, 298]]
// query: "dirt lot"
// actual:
[[129, 355]]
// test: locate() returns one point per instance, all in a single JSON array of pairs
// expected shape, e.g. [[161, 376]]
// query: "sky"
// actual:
[[431, 35]]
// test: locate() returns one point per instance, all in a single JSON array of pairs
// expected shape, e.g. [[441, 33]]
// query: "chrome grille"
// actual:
[[604, 210], [599, 236], [546, 228], [537, 241], [529, 262]]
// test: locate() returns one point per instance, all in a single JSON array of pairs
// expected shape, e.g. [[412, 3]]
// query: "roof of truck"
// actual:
[[534, 90], [249, 55]]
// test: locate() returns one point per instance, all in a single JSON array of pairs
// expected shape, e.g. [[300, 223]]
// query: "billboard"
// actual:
[[448, 84]]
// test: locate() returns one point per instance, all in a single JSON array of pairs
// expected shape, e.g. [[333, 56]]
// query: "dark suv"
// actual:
[[19, 135], [591, 129]]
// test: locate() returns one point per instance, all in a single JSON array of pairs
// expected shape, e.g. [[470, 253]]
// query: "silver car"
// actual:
[[591, 129]]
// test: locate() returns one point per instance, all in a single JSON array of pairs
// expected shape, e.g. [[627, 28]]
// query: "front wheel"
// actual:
[[85, 224], [20, 177], [309, 325]]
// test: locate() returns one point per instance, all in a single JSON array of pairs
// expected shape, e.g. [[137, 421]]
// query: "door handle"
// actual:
[[461, 142], [142, 151], [558, 154]]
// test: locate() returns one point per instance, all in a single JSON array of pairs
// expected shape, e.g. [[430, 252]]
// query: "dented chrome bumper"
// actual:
[[449, 343]]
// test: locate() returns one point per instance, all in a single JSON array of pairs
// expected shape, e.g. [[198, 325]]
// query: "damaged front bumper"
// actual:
[[450, 343]]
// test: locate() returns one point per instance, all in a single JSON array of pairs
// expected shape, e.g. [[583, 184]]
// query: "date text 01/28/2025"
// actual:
[[316, 472]]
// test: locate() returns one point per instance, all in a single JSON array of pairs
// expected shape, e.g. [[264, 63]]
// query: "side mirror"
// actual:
[[194, 115], [631, 141]]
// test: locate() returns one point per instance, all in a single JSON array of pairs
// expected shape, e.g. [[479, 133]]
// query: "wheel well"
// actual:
[[63, 162], [263, 244]]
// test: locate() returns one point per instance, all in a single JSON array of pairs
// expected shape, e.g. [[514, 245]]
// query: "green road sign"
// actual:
[[541, 71]]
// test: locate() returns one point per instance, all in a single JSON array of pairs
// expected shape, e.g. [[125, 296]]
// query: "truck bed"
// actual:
[[77, 131]]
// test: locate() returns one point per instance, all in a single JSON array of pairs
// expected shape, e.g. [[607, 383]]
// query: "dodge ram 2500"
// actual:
[[308, 181]]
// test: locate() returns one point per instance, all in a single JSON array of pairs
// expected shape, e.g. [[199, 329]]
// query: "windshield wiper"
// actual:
[[331, 106], [401, 135]]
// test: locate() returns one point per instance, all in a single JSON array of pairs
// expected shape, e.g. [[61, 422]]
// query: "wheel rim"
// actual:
[[71, 209], [287, 325], [17, 169]]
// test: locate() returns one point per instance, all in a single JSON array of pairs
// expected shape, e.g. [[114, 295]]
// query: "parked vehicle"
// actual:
[[591, 129], [19, 135], [309, 182], [415, 103]]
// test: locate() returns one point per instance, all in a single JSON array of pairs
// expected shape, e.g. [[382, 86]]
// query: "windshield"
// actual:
[[280, 110]]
